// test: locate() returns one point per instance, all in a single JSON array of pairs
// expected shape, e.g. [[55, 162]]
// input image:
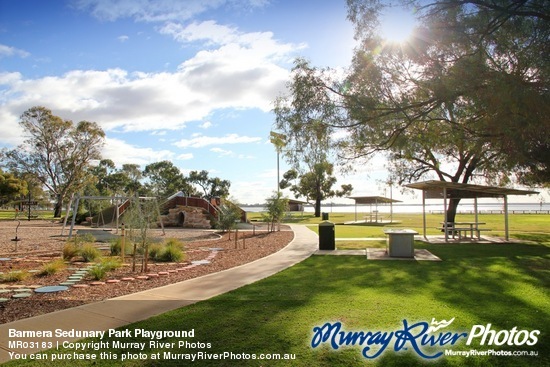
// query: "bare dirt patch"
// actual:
[[41, 242]]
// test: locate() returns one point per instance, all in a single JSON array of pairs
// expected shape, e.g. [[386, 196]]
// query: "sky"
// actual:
[[190, 81]]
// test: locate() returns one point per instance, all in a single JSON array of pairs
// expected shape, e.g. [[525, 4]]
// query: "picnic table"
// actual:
[[462, 229], [369, 217]]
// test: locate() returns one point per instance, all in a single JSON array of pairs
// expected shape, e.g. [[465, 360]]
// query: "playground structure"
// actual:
[[178, 210], [121, 204]]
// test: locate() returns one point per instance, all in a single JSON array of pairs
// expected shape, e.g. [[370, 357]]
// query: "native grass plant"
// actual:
[[70, 250], [174, 242], [154, 250], [170, 251], [110, 264], [116, 245], [73, 247], [14, 276], [51, 268], [275, 206], [100, 270], [89, 252], [139, 218]]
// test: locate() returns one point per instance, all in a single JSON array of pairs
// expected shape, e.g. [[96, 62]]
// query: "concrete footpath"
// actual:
[[120, 311]]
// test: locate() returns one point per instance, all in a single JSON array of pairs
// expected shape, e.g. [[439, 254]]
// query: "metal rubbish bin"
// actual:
[[400, 242], [324, 216], [327, 240]]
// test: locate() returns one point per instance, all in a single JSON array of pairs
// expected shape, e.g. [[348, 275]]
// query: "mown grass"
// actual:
[[505, 285], [35, 214], [521, 226]]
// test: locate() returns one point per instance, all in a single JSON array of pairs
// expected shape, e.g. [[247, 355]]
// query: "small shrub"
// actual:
[[89, 252], [70, 250], [98, 272], [170, 254], [14, 276], [51, 268]]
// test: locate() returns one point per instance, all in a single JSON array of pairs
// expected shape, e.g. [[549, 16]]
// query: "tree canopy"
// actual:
[[56, 152], [11, 186], [165, 179], [477, 66], [210, 186], [466, 98]]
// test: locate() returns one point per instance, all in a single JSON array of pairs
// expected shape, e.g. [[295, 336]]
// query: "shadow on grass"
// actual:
[[505, 285], [535, 237]]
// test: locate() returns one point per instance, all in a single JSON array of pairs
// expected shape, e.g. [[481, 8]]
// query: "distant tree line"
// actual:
[[59, 158]]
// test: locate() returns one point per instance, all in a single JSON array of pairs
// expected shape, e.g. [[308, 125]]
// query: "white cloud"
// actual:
[[243, 74], [159, 133], [123, 38], [206, 125], [7, 51], [222, 152], [201, 141], [252, 191], [121, 152], [185, 156], [209, 32]]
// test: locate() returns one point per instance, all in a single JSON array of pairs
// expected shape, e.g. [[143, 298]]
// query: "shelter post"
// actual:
[[424, 212], [445, 223], [475, 210], [507, 236]]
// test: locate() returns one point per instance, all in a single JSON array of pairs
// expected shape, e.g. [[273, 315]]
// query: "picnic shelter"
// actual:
[[434, 189]]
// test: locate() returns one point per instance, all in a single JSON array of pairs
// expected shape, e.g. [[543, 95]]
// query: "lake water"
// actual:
[[466, 207]]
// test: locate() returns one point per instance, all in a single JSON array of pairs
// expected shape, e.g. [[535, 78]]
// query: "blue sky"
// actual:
[[188, 81]]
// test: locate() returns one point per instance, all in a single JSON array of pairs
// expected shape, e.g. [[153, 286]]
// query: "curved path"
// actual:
[[120, 311]]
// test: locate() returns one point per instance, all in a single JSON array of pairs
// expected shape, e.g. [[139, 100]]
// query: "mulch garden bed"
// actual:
[[40, 242]]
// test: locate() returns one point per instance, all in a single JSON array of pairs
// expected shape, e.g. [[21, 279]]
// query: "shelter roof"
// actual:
[[434, 190], [372, 200], [294, 201]]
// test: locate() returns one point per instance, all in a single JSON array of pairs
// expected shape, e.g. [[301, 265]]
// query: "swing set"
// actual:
[[119, 205]]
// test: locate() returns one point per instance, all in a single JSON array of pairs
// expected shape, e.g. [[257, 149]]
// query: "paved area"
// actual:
[[380, 254], [120, 311]]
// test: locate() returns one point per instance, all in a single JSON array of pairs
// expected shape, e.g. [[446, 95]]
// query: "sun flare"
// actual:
[[397, 25]]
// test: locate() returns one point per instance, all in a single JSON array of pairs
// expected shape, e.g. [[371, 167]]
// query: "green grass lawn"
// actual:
[[505, 285], [23, 215], [521, 226]]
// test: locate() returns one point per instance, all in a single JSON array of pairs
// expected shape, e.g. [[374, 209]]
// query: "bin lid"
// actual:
[[326, 223], [400, 231]]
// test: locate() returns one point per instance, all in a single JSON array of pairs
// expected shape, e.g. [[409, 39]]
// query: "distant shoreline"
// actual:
[[466, 208]]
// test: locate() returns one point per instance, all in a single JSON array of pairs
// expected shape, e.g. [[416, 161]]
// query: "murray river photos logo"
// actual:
[[427, 340]]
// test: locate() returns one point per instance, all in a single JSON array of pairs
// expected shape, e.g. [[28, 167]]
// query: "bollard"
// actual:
[[122, 243]]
